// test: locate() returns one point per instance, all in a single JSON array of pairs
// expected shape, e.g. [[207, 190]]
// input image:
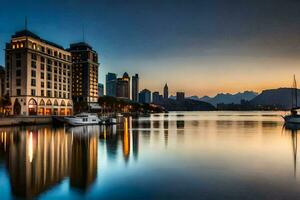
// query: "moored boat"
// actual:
[[83, 119], [293, 117]]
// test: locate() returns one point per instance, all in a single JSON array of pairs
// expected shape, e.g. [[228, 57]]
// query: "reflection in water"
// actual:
[[293, 130], [205, 151], [166, 132], [126, 140], [39, 159], [84, 156]]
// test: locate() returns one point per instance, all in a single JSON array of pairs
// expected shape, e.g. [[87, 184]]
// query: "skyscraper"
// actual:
[[135, 88], [111, 84], [123, 86], [166, 91], [85, 72], [155, 97], [145, 96], [38, 76], [100, 90]]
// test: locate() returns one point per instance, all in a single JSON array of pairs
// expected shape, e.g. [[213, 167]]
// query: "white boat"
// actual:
[[293, 117], [83, 119]]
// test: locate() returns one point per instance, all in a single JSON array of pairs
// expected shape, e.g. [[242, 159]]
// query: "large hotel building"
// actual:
[[38, 76], [85, 72]]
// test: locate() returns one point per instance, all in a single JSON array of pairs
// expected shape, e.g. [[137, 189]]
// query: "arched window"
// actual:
[[49, 103], [32, 107], [69, 104], [42, 103], [55, 103], [62, 103]]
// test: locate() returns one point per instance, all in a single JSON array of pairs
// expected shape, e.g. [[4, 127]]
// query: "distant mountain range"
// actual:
[[227, 98], [186, 105], [281, 97]]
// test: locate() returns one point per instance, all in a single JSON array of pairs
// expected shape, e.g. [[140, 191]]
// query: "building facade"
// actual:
[[155, 98], [135, 88], [100, 90], [85, 72], [111, 84], [145, 96], [166, 92], [180, 96], [38, 76], [123, 87], [2, 81]]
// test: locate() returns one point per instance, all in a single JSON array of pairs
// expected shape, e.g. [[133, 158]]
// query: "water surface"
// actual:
[[179, 155]]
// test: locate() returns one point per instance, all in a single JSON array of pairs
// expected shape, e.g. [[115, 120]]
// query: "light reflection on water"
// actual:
[[200, 155]]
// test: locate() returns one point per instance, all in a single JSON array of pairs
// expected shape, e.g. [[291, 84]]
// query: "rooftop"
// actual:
[[28, 33]]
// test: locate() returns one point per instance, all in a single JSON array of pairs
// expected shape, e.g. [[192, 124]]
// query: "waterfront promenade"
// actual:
[[19, 120]]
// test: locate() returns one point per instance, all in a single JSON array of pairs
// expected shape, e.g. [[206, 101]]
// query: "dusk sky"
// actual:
[[199, 47]]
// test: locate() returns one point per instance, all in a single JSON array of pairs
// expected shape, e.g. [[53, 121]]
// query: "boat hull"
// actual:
[[80, 122], [292, 119]]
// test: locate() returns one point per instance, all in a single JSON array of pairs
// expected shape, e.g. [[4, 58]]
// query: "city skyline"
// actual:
[[200, 53]]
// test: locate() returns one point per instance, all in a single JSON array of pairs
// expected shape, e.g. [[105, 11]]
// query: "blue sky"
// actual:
[[200, 47]]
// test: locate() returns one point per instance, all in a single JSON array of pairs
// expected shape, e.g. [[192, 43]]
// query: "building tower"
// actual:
[[85, 72], [38, 76], [123, 86], [135, 88], [166, 91], [111, 84]]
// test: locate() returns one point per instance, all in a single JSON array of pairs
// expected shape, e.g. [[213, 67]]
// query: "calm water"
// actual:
[[186, 155]]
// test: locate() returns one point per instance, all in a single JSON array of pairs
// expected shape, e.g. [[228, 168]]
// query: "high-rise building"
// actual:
[[155, 98], [85, 72], [111, 84], [100, 90], [38, 76], [135, 88], [145, 96], [123, 87], [180, 96], [166, 91], [2, 81]]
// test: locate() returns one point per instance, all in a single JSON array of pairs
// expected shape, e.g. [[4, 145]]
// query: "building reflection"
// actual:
[[38, 159], [126, 140], [84, 157], [166, 132], [135, 144], [121, 135], [293, 129]]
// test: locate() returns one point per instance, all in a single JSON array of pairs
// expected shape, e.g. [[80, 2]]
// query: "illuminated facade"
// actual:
[[85, 72], [123, 87], [38, 76]]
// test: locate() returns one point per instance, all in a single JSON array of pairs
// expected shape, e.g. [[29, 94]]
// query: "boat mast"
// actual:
[[295, 91]]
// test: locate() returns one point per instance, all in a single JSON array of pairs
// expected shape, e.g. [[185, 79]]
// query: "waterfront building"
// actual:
[[85, 72], [135, 88], [155, 98], [166, 91], [180, 96], [2, 81], [100, 90], [38, 76], [123, 87], [161, 98], [145, 96], [111, 84]]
